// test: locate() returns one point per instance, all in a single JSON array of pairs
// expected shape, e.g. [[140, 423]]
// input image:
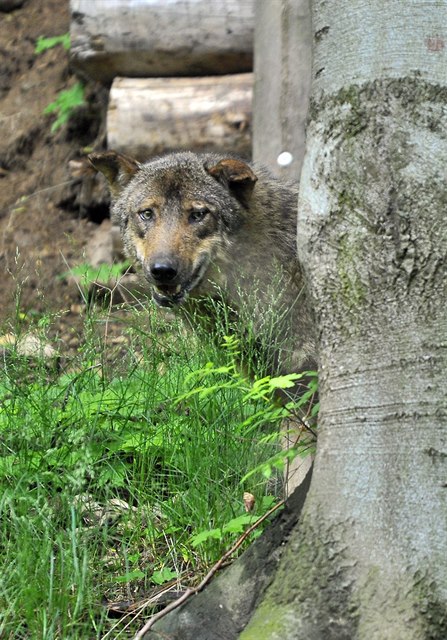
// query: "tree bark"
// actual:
[[368, 559]]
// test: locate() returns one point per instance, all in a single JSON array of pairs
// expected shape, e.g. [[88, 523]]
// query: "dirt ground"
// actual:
[[43, 224]]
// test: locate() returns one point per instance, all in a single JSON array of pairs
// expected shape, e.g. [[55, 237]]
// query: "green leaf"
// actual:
[[130, 575], [284, 382], [238, 525], [315, 409], [163, 575], [64, 104], [277, 461], [216, 534], [42, 43]]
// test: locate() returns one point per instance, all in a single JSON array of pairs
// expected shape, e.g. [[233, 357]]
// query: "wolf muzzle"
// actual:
[[170, 283]]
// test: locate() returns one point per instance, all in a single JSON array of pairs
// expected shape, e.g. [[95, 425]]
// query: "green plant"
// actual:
[[42, 43], [65, 103], [125, 469], [88, 275], [235, 526], [68, 99]]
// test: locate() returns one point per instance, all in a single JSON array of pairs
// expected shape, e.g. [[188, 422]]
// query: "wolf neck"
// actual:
[[268, 237]]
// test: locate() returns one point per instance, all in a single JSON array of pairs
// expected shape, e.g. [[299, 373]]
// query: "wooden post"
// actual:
[[282, 83]]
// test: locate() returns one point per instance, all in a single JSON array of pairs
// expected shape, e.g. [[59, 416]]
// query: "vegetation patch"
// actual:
[[123, 471]]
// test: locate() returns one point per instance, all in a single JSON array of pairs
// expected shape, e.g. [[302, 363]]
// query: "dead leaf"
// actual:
[[249, 501]]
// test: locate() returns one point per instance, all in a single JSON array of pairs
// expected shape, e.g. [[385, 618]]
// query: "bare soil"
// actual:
[[43, 227]]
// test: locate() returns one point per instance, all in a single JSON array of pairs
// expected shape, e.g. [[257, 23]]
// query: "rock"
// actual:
[[28, 345], [99, 249]]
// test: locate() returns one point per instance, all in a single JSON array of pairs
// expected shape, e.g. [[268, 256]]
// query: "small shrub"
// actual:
[[64, 104], [69, 99], [42, 43]]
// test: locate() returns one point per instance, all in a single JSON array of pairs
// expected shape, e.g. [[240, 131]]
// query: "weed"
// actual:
[[69, 99], [65, 103], [126, 471], [42, 43]]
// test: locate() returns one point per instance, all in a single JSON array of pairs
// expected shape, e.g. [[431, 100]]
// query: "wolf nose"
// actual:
[[164, 272]]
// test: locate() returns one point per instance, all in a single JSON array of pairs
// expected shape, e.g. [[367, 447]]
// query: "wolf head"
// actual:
[[177, 215]]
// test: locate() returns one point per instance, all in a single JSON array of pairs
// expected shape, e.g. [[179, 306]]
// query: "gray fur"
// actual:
[[248, 236]]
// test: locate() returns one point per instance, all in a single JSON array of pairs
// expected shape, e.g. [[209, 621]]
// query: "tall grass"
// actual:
[[121, 471]]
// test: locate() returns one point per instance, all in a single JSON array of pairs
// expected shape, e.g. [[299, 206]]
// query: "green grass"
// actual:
[[122, 471]]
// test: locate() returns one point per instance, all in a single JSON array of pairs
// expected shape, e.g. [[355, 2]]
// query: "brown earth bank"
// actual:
[[45, 222]]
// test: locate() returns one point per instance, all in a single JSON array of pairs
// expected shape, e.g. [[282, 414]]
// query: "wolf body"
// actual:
[[202, 225]]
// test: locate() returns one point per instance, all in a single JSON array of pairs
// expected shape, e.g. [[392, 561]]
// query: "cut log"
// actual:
[[147, 116], [143, 38]]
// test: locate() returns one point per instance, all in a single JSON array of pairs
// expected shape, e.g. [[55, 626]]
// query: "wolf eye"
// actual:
[[197, 215], [146, 214]]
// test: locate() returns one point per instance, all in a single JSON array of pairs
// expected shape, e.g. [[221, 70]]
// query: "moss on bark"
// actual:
[[310, 598]]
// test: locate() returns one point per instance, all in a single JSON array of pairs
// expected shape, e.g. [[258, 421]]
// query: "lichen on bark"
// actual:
[[373, 239], [363, 174]]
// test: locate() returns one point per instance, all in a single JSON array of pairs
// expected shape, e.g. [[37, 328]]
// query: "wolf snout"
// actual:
[[164, 270]]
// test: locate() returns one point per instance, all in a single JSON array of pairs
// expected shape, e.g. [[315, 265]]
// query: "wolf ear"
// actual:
[[235, 174], [117, 168]]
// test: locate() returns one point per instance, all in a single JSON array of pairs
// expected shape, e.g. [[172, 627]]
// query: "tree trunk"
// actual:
[[368, 560]]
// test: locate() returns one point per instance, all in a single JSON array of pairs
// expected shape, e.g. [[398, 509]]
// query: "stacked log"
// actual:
[[283, 38], [147, 116], [142, 38], [177, 68]]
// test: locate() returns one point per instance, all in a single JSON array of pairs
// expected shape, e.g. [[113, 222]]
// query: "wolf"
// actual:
[[207, 225]]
